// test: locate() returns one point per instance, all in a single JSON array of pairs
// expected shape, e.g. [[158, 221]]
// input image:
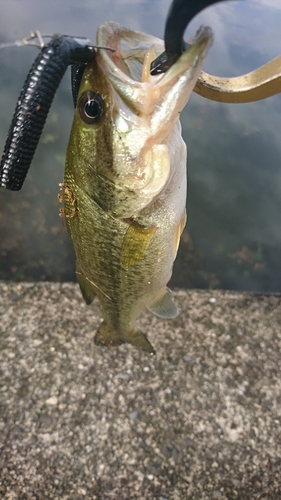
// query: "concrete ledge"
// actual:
[[200, 420]]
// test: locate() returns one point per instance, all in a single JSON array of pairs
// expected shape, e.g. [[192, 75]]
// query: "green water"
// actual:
[[233, 236]]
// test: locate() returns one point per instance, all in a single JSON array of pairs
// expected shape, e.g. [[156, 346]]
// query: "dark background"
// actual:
[[233, 236]]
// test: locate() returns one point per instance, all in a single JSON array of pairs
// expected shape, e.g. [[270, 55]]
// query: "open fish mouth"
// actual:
[[138, 94], [145, 108], [143, 112]]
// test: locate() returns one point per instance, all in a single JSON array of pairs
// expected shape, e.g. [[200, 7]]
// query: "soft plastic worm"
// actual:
[[77, 71], [34, 103]]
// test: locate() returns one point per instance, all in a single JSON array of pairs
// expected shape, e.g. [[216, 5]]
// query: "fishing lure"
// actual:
[[34, 103], [46, 74]]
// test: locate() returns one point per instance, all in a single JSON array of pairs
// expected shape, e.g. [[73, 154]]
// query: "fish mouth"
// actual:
[[156, 99], [148, 151]]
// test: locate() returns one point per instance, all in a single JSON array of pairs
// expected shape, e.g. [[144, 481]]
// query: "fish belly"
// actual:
[[125, 262]]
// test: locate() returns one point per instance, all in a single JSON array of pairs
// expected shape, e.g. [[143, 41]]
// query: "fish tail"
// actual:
[[107, 336]]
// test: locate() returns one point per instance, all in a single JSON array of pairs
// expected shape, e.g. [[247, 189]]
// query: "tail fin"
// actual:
[[109, 337]]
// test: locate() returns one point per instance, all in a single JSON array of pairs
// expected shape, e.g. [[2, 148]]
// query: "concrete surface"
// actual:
[[200, 420]]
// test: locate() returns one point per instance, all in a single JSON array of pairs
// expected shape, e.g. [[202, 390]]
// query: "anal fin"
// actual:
[[164, 305]]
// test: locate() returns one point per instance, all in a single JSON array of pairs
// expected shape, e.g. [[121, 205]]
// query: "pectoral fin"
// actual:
[[135, 244], [178, 233], [164, 305]]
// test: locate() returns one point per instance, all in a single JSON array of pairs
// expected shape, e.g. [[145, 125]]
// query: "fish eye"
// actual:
[[91, 107]]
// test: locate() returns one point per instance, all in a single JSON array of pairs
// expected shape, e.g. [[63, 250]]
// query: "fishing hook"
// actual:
[[179, 16], [263, 82]]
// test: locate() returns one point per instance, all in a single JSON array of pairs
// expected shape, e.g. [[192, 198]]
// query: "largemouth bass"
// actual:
[[125, 178]]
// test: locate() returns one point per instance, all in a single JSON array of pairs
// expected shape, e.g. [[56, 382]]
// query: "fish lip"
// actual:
[[115, 36], [118, 36], [193, 55], [124, 66]]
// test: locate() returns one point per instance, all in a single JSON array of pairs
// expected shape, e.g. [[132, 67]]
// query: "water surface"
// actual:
[[233, 236]]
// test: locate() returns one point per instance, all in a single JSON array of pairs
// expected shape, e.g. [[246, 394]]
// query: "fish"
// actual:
[[125, 183]]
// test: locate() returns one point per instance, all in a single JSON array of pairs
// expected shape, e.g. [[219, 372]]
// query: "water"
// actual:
[[233, 236]]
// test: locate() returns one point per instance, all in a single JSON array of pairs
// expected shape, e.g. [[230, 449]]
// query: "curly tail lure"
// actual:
[[62, 51]]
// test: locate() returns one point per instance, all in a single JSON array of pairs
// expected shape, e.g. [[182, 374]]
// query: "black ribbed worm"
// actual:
[[34, 103], [179, 16]]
